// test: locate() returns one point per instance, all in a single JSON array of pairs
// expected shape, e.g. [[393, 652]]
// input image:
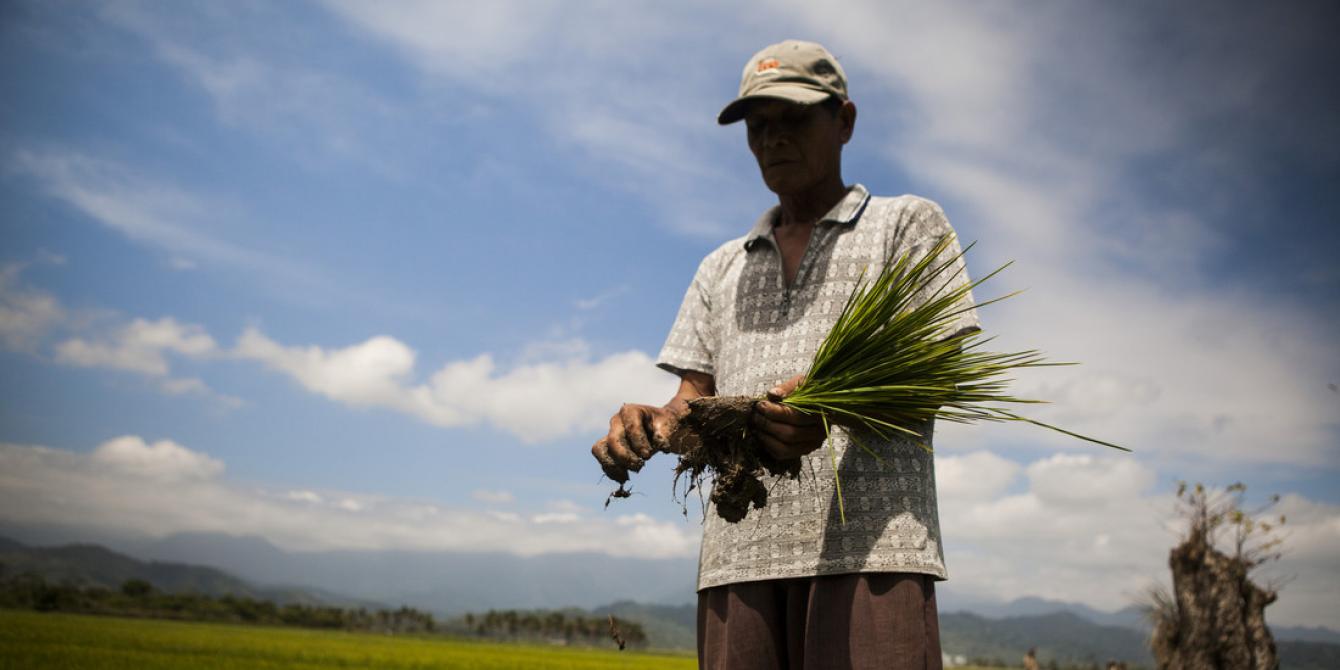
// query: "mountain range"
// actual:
[[448, 583], [655, 592]]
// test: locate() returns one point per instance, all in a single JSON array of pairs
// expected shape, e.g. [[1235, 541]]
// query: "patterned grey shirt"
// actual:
[[740, 323]]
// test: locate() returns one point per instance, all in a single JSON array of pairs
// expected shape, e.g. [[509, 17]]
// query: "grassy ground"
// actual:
[[70, 642]]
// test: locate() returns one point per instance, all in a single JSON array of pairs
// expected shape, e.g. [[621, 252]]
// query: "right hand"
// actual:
[[636, 432]]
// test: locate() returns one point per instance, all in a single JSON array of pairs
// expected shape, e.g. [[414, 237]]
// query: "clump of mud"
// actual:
[[716, 440]]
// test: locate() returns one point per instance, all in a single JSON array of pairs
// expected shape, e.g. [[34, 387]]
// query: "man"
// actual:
[[792, 586]]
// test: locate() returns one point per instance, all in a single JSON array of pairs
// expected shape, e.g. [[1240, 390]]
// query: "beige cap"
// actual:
[[802, 72]]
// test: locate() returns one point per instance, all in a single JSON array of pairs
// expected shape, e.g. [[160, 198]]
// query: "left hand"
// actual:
[[785, 432]]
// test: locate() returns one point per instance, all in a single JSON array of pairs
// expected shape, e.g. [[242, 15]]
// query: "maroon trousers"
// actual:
[[875, 620]]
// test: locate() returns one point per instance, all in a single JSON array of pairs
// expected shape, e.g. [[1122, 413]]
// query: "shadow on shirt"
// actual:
[[898, 488]]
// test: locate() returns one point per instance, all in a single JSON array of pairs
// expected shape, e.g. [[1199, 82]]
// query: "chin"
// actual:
[[782, 186], [786, 179]]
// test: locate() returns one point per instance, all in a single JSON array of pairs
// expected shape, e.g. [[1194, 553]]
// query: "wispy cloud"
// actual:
[[1082, 528], [139, 347], [480, 44], [586, 304], [27, 314], [31, 320], [143, 347], [320, 115], [557, 388], [161, 461], [150, 211], [130, 485], [535, 401], [1174, 358], [493, 497], [1091, 528], [616, 114]]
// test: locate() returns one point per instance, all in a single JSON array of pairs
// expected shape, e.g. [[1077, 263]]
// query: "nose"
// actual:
[[774, 135]]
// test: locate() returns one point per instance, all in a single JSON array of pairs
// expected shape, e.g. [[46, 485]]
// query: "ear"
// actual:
[[847, 120]]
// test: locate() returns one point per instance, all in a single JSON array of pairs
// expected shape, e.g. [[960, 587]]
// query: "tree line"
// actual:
[[139, 598], [555, 626]]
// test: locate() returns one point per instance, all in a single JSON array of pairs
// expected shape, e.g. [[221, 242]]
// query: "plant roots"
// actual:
[[715, 439]]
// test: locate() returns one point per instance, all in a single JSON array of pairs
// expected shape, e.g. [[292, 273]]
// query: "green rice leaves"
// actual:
[[890, 364]]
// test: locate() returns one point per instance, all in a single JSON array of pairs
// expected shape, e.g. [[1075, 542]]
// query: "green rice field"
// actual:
[[32, 640]]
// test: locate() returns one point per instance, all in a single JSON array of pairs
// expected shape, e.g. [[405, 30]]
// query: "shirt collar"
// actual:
[[848, 210]]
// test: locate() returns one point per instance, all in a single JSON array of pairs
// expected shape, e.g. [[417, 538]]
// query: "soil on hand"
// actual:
[[715, 440]]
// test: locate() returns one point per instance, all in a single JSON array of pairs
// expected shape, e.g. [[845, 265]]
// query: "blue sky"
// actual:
[[355, 275]]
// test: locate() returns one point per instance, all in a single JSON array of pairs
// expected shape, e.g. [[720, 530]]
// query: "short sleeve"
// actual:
[[691, 344], [924, 225]]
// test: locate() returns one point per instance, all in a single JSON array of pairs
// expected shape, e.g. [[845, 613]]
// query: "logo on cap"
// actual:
[[768, 64]]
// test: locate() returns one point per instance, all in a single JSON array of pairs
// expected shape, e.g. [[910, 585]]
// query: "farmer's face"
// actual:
[[797, 146]]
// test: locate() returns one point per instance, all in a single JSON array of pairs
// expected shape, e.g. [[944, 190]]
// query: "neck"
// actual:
[[806, 207]]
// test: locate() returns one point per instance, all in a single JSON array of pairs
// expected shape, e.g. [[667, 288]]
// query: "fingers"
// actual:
[[612, 469], [619, 450], [785, 388], [662, 428], [778, 449], [779, 413], [634, 420], [627, 447], [782, 438]]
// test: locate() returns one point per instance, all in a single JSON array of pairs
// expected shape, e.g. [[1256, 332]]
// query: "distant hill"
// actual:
[[448, 583], [667, 626], [656, 593], [95, 565], [1128, 617], [951, 601], [1309, 656], [1063, 636], [1071, 639]]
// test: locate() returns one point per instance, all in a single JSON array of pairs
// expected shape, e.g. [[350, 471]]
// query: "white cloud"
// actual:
[[367, 374], [1309, 570], [556, 389], [26, 314], [107, 489], [475, 43], [535, 401], [664, 538], [555, 517], [631, 140], [1089, 529], [566, 506], [140, 347], [493, 497], [506, 517], [320, 116], [1176, 375], [163, 460], [587, 304], [980, 475], [148, 211], [305, 496], [560, 511], [1068, 479], [1115, 280], [30, 316], [184, 385], [1173, 361]]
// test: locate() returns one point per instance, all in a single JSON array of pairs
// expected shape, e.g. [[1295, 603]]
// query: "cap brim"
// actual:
[[788, 92]]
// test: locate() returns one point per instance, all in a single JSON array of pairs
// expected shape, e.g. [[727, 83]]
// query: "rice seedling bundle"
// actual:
[[887, 367]]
